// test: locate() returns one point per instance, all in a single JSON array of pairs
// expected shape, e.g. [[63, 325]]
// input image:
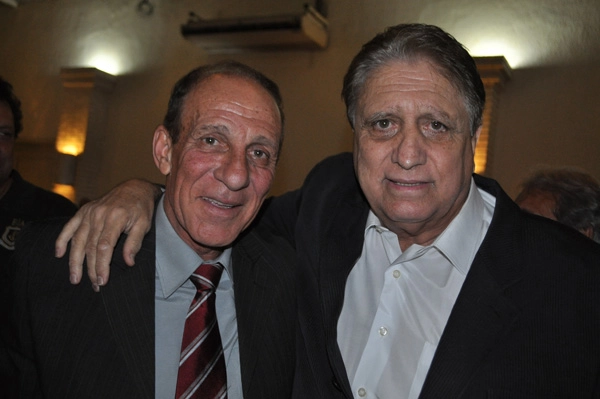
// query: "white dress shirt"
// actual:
[[397, 304], [175, 262]]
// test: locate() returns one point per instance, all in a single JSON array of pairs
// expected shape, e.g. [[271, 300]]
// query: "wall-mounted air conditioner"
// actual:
[[287, 32], [12, 3]]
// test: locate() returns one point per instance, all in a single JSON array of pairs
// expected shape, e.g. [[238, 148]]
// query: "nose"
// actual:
[[234, 172], [409, 149]]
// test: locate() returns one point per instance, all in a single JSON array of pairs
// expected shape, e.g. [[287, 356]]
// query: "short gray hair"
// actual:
[[408, 42]]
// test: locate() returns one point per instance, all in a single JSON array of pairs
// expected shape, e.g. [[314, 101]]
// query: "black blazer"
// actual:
[[75, 343], [526, 323]]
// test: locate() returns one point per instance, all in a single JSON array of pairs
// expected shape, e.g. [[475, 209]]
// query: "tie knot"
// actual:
[[207, 276]]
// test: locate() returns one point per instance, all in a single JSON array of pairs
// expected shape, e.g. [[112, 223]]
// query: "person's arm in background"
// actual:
[[95, 229]]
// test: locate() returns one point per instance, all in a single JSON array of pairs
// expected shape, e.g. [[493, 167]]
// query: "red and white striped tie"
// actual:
[[202, 372]]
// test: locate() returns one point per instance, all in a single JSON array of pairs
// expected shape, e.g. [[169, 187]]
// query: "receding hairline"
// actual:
[[198, 86]]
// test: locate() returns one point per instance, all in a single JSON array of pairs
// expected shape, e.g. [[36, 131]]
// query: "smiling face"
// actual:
[[413, 149], [221, 168]]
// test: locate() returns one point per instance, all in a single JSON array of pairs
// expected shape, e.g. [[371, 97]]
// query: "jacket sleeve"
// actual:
[[20, 340], [279, 215]]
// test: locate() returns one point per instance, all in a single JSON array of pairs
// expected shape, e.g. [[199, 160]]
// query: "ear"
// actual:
[[162, 147], [475, 138], [588, 232]]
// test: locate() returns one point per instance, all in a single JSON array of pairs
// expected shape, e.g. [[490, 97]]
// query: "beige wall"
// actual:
[[549, 112], [548, 116]]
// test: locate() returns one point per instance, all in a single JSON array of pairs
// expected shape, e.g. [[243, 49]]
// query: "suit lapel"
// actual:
[[252, 278], [341, 248], [129, 302], [482, 312]]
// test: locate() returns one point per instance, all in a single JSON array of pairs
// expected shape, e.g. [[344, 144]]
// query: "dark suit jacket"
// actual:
[[75, 343], [526, 323], [22, 203]]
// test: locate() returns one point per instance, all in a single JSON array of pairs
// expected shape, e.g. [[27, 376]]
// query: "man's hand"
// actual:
[[96, 227]]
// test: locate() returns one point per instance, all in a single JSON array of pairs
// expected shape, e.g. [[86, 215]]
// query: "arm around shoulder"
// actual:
[[94, 230]]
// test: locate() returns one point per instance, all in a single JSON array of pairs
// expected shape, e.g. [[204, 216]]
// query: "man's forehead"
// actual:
[[216, 103], [417, 72], [415, 84], [221, 83], [219, 90]]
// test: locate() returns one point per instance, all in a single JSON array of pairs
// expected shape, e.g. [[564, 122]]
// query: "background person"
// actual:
[[567, 195], [20, 202]]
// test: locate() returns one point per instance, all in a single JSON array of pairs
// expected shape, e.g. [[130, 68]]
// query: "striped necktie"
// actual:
[[202, 372]]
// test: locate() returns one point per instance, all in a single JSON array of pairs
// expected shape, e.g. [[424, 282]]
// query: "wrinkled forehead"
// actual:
[[223, 100], [410, 79], [236, 90]]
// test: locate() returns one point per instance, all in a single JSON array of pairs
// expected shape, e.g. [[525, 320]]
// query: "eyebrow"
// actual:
[[438, 116], [433, 112], [430, 112], [266, 141], [209, 127], [222, 129]]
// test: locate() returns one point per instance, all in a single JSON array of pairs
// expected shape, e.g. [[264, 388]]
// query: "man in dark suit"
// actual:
[[20, 203], [524, 325], [218, 147], [417, 278]]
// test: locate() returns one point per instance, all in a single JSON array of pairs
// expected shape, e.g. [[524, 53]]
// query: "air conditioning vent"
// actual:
[[308, 31]]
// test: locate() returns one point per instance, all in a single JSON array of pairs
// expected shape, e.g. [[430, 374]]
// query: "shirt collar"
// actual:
[[460, 241], [175, 260], [472, 221]]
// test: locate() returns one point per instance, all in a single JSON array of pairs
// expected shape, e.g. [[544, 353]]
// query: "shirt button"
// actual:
[[383, 331], [362, 392], [396, 273]]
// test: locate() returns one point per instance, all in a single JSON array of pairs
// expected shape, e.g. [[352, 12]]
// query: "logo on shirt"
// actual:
[[10, 234]]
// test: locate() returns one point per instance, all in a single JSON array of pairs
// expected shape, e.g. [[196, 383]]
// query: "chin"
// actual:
[[218, 241]]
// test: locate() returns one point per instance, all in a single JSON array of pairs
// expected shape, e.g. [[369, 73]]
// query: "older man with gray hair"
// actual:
[[418, 278]]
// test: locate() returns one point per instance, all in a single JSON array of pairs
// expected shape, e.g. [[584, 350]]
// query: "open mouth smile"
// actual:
[[218, 204]]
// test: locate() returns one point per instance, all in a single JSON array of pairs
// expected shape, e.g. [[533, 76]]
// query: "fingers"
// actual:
[[60, 246], [133, 243], [91, 232], [143, 195], [97, 226], [73, 229], [90, 238], [107, 224], [104, 244]]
